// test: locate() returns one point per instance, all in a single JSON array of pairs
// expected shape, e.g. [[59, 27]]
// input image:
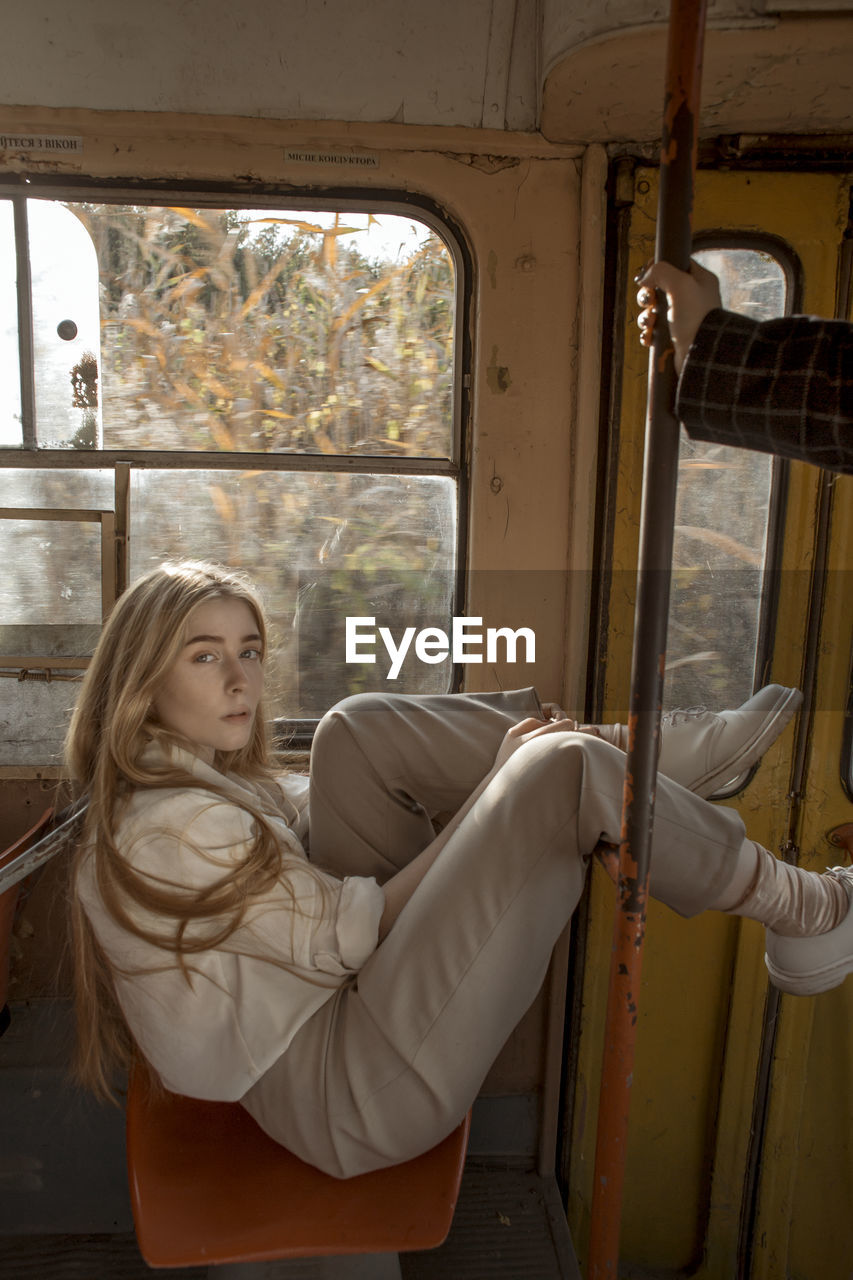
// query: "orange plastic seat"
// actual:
[[208, 1186]]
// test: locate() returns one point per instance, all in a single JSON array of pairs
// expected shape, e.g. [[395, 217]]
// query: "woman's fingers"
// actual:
[[524, 726], [690, 296], [646, 321], [553, 711], [553, 726], [526, 730]]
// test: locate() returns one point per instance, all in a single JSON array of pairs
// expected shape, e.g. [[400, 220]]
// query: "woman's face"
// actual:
[[212, 691]]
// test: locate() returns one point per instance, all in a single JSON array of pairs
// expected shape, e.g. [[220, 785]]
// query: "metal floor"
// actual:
[[507, 1224], [65, 1210]]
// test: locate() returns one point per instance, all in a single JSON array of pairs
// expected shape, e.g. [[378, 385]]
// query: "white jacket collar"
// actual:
[[167, 755]]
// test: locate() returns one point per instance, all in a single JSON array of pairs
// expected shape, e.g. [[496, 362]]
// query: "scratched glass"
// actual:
[[322, 546], [721, 527], [10, 402], [239, 330]]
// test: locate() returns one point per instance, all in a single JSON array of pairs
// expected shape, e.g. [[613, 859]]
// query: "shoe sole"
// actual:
[[809, 984], [780, 715]]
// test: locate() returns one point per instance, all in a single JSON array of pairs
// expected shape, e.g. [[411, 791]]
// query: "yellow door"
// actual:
[[740, 1159]]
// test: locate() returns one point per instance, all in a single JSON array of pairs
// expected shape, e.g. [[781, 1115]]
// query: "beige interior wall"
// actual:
[[473, 64], [516, 200]]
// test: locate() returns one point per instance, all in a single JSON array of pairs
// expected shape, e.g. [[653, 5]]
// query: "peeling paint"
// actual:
[[487, 164], [492, 268], [498, 376], [29, 164]]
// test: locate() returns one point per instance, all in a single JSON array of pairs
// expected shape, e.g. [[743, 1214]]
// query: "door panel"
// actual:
[[805, 1191], [732, 1128]]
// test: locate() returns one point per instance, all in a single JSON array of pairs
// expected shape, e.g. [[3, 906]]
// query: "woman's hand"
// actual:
[[527, 729], [553, 711], [690, 296], [399, 889]]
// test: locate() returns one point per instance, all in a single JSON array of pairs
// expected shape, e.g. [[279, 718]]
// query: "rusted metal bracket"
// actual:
[[60, 838], [42, 675]]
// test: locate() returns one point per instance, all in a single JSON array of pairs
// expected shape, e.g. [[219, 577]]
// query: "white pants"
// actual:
[[393, 1061]]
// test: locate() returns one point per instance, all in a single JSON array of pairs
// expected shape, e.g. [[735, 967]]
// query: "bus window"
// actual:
[[324, 546], [283, 384], [722, 526], [57, 536], [10, 408], [66, 327], [253, 330]]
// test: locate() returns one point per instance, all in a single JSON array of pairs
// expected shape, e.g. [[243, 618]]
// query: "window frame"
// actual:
[[391, 202], [789, 261], [617, 405], [18, 189]]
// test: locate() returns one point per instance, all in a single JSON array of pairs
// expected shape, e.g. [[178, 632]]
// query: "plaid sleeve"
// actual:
[[781, 386]]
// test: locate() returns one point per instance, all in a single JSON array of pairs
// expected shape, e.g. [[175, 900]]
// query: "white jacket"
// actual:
[[211, 1033]]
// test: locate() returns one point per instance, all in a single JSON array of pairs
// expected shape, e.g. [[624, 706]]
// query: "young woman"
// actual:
[[354, 1002]]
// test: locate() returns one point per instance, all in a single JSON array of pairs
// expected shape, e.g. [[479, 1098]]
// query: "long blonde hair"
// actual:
[[113, 722]]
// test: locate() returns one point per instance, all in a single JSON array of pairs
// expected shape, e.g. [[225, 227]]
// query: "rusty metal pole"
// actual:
[[660, 472]]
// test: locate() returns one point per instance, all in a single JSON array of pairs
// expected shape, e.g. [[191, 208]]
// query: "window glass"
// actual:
[[302, 337], [323, 547], [66, 328], [10, 404], [34, 718], [721, 527], [54, 575], [39, 487], [50, 608], [242, 330], [50, 589]]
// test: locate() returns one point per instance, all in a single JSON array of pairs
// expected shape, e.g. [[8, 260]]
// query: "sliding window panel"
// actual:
[[10, 404], [324, 547]]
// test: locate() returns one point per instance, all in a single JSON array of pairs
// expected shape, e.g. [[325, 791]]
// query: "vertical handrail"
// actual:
[[660, 473]]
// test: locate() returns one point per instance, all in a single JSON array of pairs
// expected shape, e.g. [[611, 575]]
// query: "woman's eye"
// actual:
[[256, 655], [204, 657]]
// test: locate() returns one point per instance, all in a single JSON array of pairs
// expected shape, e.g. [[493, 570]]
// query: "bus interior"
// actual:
[[343, 295]]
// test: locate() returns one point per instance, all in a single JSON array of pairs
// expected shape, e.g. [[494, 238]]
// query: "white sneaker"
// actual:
[[703, 750], [807, 966]]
